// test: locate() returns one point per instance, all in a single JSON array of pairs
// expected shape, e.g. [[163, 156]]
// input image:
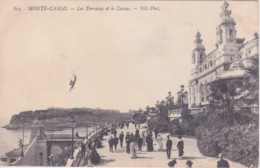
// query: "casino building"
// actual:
[[227, 60]]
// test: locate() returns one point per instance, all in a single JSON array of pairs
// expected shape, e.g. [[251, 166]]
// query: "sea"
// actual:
[[9, 139]]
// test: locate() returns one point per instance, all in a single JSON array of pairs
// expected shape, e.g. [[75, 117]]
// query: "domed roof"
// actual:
[[228, 20], [225, 14]]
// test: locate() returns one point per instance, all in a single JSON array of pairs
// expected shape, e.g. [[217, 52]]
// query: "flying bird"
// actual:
[[73, 81]]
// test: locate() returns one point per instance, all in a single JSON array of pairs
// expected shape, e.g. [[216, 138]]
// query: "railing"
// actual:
[[174, 113], [77, 159], [27, 159]]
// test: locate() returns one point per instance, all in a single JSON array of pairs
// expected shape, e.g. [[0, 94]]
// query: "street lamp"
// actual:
[[86, 130], [73, 124], [22, 143]]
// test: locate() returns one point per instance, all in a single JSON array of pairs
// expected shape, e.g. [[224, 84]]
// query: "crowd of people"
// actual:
[[136, 141]]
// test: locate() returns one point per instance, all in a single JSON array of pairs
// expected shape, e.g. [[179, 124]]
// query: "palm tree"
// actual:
[[251, 81]]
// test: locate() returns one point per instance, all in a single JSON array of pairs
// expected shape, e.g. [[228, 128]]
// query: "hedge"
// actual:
[[233, 134]]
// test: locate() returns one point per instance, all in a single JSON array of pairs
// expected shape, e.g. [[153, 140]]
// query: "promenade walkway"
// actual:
[[156, 158]]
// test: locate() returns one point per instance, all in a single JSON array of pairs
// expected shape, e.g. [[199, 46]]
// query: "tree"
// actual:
[[251, 81], [224, 93]]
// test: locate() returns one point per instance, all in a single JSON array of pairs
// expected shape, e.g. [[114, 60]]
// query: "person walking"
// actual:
[[127, 125], [121, 139], [115, 142], [115, 132], [144, 137], [160, 143], [149, 141], [83, 149], [128, 141], [140, 143], [156, 132], [111, 144], [222, 163], [137, 131], [168, 147], [180, 146], [136, 137], [133, 150]]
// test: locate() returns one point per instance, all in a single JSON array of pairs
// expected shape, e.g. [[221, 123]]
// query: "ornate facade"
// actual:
[[226, 61]]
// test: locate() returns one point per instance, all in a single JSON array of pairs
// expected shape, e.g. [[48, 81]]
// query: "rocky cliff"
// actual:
[[58, 118]]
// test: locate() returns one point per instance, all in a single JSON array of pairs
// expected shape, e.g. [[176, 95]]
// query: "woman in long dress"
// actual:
[[133, 150], [144, 138], [160, 143]]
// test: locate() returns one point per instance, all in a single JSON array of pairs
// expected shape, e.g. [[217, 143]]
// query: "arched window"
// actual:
[[211, 63], [201, 90]]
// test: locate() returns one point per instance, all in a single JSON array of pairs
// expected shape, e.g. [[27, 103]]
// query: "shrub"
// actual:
[[139, 118], [233, 134], [160, 122]]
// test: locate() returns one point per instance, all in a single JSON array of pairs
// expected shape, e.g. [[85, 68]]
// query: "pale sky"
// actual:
[[123, 60]]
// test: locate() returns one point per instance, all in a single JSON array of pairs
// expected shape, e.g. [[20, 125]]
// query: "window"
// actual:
[[230, 33], [211, 63], [205, 67]]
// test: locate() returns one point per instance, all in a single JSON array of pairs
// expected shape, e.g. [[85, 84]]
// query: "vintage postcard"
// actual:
[[129, 83]]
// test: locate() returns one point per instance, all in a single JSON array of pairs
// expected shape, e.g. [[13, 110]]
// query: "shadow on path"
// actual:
[[142, 157], [103, 161], [190, 158]]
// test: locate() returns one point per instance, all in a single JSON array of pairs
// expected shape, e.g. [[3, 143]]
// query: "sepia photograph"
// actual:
[[129, 83]]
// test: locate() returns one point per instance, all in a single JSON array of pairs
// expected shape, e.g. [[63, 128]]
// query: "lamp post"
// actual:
[[73, 124], [22, 143], [86, 130]]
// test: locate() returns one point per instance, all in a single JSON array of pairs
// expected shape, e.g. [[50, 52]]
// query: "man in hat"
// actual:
[[189, 164], [111, 143], [115, 142], [121, 139], [222, 163], [168, 147]]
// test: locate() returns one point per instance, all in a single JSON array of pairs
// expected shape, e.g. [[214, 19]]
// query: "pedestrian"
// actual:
[[121, 139], [94, 157], [156, 132], [189, 164], [137, 131], [140, 143], [222, 163], [160, 143], [115, 142], [90, 145], [128, 141], [139, 125], [127, 125], [83, 149], [133, 150], [136, 137], [172, 163], [168, 147], [149, 141], [180, 146], [132, 137], [144, 137], [111, 144], [115, 132]]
